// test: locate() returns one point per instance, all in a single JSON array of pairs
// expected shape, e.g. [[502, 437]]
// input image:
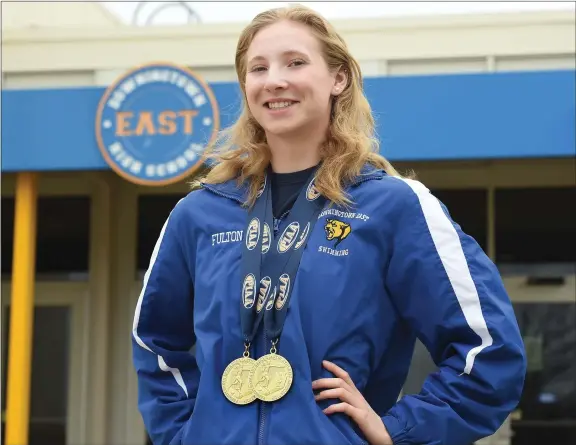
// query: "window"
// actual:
[[548, 403], [7, 234], [468, 208], [49, 385], [153, 210], [535, 226], [63, 236], [549, 337]]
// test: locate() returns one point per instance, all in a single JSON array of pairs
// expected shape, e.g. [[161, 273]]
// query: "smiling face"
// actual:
[[288, 83]]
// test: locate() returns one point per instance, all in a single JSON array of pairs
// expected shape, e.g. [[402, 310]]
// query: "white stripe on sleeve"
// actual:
[[450, 250], [161, 363]]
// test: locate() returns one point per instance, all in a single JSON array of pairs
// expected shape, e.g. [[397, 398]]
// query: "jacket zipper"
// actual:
[[263, 407]]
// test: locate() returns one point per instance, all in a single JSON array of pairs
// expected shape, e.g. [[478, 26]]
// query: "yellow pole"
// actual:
[[22, 311]]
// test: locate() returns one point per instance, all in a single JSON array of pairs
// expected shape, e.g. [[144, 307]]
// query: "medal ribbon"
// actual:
[[252, 304], [271, 262]]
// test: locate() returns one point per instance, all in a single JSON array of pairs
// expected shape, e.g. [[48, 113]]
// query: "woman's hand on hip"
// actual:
[[352, 403]]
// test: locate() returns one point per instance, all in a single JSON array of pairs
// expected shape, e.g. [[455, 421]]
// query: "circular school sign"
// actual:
[[155, 122]]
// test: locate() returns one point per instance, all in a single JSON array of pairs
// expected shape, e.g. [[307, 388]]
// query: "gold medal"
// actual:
[[235, 380], [271, 377]]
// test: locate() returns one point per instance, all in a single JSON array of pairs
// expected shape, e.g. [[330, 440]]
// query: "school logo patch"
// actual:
[[155, 122], [337, 230]]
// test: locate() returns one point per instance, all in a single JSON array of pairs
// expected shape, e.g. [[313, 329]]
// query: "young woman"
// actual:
[[304, 268]]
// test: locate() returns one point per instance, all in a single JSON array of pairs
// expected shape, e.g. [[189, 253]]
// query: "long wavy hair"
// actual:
[[242, 151]]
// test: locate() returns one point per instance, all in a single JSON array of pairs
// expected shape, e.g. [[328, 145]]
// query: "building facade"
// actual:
[[506, 180]]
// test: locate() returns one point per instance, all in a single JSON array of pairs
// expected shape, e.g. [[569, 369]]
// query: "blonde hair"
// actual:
[[350, 141]]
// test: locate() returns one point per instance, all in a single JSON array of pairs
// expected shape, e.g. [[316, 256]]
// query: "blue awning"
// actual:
[[420, 118]]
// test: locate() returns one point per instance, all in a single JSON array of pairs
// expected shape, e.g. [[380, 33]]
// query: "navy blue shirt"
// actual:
[[286, 188]]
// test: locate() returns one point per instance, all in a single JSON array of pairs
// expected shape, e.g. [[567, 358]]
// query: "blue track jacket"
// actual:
[[403, 270]]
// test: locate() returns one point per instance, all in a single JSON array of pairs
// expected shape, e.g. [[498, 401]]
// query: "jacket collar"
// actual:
[[239, 192]]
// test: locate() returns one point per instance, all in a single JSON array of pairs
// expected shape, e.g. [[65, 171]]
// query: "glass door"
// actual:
[[51, 352], [58, 363]]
